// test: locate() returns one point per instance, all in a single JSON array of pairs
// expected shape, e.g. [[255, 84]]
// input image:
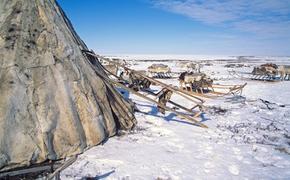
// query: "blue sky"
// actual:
[[211, 27]]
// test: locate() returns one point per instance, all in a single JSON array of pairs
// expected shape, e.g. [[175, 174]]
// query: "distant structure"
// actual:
[[159, 71], [271, 71]]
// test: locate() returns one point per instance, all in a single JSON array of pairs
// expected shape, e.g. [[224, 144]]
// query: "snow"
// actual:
[[162, 57], [248, 140], [169, 57]]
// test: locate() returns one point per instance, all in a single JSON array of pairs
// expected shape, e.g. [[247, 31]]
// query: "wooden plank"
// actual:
[[65, 165], [171, 102], [161, 105], [184, 94], [36, 169], [25, 171]]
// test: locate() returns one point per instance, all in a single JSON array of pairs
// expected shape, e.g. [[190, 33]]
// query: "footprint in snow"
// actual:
[[208, 165], [234, 169], [237, 152], [174, 147], [206, 170], [240, 158], [208, 150]]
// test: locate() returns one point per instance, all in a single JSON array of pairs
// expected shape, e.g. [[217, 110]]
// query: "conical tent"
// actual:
[[52, 102]]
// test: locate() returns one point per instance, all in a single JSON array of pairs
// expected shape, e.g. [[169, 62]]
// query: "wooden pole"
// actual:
[[161, 105], [66, 164]]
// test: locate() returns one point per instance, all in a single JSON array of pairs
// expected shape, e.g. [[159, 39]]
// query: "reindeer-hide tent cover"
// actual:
[[52, 102]]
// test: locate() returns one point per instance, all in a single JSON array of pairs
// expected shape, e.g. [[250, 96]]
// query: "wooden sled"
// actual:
[[162, 98], [217, 90], [159, 71], [259, 77]]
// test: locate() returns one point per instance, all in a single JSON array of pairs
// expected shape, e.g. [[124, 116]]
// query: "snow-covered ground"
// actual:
[[191, 57], [248, 136]]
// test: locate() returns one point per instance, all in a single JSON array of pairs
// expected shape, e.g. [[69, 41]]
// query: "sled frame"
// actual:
[[260, 77], [217, 90]]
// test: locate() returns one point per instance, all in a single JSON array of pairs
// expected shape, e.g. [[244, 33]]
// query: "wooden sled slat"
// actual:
[[54, 168]]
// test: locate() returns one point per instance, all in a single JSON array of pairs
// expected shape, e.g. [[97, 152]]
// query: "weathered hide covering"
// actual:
[[52, 103]]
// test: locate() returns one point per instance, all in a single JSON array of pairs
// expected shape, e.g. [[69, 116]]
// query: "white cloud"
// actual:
[[264, 28], [265, 17]]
